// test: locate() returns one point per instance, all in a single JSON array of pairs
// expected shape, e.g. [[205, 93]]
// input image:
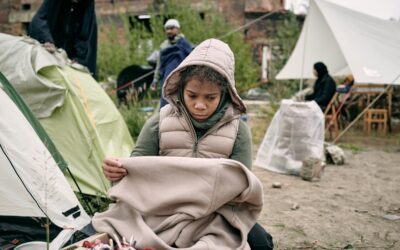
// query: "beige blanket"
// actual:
[[185, 203]]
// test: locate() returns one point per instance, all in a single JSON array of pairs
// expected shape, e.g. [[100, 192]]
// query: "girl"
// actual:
[[202, 119]]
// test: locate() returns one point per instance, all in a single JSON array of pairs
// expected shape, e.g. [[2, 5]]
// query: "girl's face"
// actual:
[[201, 98]]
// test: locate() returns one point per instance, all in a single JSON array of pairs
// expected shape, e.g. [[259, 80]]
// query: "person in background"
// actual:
[[70, 25], [201, 119], [346, 85], [172, 52], [324, 86], [351, 105]]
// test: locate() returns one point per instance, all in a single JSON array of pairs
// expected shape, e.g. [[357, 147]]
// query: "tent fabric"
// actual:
[[295, 134], [347, 42], [85, 127], [13, 94], [383, 9], [21, 59], [31, 182]]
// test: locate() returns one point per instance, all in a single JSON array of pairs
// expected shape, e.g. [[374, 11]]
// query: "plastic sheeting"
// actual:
[[295, 133]]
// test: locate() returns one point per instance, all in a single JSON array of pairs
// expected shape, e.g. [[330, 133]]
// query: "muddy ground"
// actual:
[[353, 206]]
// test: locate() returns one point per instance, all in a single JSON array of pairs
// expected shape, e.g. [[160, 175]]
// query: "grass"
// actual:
[[260, 121], [353, 148], [357, 141]]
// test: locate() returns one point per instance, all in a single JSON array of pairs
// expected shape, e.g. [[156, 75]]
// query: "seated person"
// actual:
[[346, 85], [324, 86]]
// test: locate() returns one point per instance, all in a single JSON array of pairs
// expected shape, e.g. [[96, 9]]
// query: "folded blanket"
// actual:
[[185, 203]]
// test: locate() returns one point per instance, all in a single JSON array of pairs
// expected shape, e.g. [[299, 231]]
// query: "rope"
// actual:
[[248, 24], [127, 84]]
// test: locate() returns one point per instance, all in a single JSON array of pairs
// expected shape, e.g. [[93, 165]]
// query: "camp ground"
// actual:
[[341, 38], [79, 117], [32, 184], [318, 191]]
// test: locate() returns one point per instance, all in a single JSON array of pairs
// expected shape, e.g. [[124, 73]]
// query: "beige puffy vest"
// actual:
[[178, 138]]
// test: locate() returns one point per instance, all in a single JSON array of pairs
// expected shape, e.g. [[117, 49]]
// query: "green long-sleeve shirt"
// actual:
[[147, 143]]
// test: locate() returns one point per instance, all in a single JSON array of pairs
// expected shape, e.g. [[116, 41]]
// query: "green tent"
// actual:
[[76, 113], [30, 117]]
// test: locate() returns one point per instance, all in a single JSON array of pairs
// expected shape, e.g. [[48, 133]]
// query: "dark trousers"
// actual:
[[259, 239]]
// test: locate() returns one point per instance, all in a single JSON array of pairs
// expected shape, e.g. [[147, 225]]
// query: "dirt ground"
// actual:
[[346, 209]]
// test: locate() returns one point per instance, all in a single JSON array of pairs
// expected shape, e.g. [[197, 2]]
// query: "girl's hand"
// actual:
[[113, 169]]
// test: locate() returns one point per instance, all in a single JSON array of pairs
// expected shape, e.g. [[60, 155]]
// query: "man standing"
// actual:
[[68, 24], [172, 52]]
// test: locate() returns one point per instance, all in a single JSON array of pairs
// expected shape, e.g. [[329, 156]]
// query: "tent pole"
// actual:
[[304, 53], [301, 84], [365, 110]]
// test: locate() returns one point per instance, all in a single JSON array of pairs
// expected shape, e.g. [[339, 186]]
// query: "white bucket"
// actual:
[[33, 245]]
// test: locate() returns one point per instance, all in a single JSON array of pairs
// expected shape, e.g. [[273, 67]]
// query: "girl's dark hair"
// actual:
[[203, 73]]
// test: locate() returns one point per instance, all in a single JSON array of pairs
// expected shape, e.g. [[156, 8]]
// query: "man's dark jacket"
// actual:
[[170, 58], [71, 26]]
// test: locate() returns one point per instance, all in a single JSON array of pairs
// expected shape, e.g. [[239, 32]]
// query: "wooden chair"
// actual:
[[378, 117], [332, 113], [331, 117]]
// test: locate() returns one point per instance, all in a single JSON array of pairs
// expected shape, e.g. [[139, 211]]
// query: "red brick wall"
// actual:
[[16, 14]]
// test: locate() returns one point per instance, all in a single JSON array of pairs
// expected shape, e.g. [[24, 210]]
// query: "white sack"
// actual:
[[295, 133]]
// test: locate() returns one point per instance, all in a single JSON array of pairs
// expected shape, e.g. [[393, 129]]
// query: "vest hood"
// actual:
[[214, 54]]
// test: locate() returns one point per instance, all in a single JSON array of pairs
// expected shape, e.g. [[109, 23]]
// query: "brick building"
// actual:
[[15, 15]]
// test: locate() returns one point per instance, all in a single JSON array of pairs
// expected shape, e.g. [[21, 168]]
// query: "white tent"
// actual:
[[31, 183], [347, 41], [384, 9]]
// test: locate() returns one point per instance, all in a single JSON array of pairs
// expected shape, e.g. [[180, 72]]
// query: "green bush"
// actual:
[[134, 119], [125, 41], [282, 43]]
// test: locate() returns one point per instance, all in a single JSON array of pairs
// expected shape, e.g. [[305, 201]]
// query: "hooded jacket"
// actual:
[[228, 138], [177, 134]]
